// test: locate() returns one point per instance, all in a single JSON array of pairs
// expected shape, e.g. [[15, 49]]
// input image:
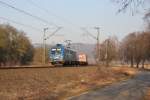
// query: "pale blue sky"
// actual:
[[72, 15]]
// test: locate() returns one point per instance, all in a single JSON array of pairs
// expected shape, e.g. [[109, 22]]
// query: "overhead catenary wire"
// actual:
[[35, 4], [84, 29], [39, 18], [53, 33], [25, 25], [27, 13], [31, 2], [50, 13]]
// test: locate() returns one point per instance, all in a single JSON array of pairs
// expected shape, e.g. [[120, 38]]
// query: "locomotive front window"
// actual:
[[53, 51], [56, 51]]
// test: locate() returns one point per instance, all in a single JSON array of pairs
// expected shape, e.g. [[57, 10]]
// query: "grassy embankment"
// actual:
[[57, 83]]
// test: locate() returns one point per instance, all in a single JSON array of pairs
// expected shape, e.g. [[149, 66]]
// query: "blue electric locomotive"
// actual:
[[64, 56]]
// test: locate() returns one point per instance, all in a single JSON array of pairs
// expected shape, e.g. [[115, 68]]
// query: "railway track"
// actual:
[[40, 66], [26, 67]]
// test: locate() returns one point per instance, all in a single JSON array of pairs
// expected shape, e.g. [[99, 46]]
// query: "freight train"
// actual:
[[61, 55]]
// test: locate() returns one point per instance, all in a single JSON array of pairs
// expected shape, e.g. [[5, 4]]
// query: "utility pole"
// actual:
[[44, 45], [44, 41], [97, 39], [98, 43], [106, 55]]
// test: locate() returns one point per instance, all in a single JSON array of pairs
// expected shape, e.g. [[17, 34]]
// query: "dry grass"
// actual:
[[56, 83], [147, 96], [126, 70]]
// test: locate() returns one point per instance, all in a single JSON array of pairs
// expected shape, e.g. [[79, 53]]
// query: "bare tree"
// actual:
[[108, 50], [136, 48], [147, 20], [128, 47], [133, 5], [145, 45]]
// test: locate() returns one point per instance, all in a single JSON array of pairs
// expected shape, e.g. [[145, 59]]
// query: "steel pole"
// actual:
[[44, 45]]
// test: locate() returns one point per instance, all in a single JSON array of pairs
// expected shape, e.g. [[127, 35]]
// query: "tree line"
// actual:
[[15, 47], [133, 49]]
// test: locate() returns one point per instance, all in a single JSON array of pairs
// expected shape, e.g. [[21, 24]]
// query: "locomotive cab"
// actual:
[[56, 54]]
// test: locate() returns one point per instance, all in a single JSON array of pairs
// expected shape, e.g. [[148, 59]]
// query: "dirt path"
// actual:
[[132, 89]]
